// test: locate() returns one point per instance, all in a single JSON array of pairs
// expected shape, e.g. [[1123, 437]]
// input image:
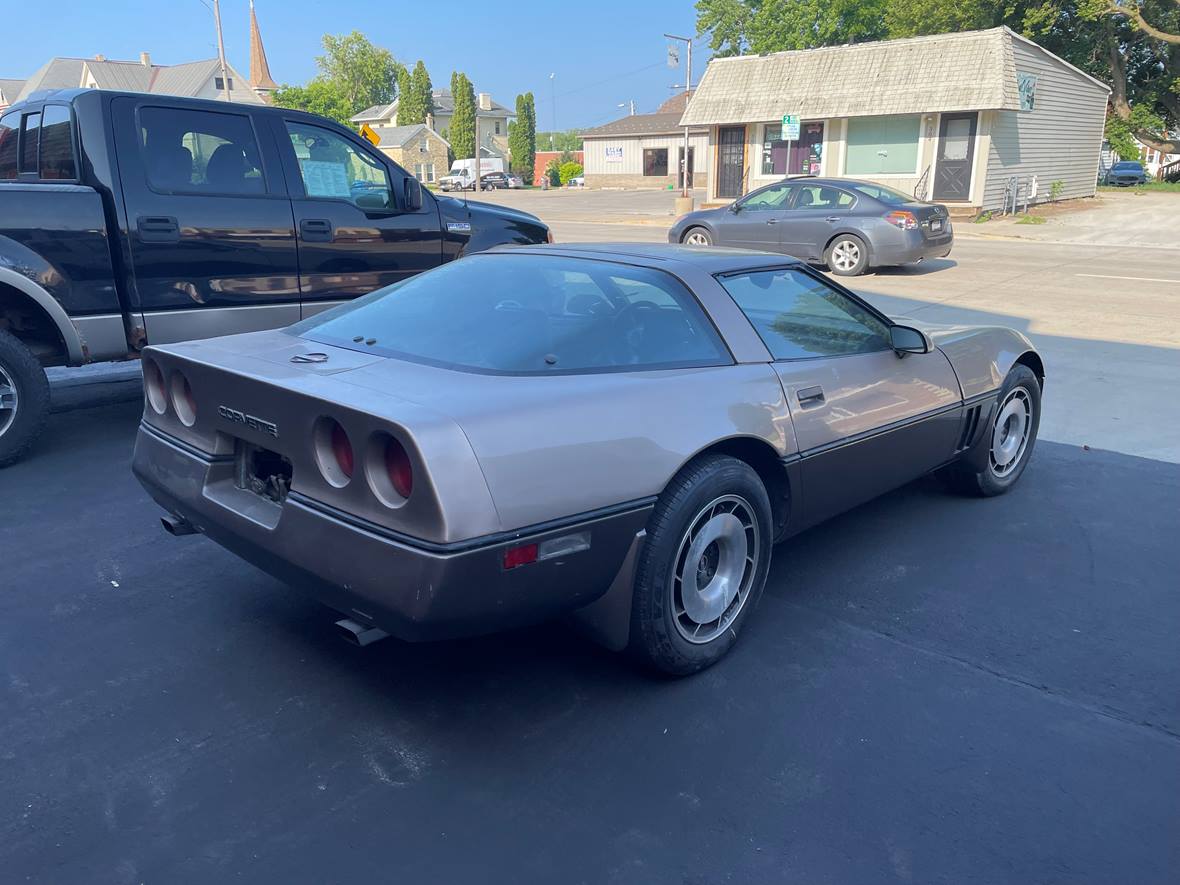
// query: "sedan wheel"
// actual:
[[698, 236], [847, 256], [702, 567]]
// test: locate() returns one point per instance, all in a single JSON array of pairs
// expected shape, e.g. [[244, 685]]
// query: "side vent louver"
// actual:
[[970, 425]]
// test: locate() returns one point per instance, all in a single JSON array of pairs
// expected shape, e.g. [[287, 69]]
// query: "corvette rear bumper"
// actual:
[[413, 590]]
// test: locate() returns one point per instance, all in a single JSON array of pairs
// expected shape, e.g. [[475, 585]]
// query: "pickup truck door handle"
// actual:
[[810, 396], [158, 229], [315, 230]]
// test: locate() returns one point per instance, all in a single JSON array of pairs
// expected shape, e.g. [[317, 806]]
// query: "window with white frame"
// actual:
[[883, 145], [430, 172]]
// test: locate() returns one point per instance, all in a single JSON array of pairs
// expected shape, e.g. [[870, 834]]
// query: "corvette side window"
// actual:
[[799, 317]]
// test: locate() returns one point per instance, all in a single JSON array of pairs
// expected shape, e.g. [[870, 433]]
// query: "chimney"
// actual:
[[100, 57], [430, 121], [145, 59], [485, 101]]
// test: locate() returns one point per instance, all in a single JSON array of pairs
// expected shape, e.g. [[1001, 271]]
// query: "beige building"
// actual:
[[493, 120], [418, 149], [644, 150], [957, 118]]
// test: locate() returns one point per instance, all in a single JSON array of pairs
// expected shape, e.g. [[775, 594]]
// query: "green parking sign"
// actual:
[[790, 127]]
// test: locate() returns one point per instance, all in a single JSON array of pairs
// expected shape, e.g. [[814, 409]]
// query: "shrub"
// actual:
[[1055, 190], [566, 171]]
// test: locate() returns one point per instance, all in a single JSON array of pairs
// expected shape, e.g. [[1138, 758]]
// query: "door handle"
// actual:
[[832, 218], [772, 221], [810, 396], [158, 228], [315, 230]]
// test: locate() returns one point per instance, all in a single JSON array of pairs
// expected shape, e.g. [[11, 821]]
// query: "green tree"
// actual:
[[755, 26], [566, 171], [423, 90], [407, 100], [319, 96], [366, 74], [522, 136], [462, 132], [354, 74], [571, 140]]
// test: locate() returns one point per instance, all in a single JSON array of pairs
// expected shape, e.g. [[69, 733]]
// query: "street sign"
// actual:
[[790, 127], [367, 132], [673, 55]]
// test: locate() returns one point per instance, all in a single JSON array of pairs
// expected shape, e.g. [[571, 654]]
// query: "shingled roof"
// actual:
[[968, 71]]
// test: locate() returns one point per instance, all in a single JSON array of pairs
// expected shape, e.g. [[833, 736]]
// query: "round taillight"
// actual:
[[389, 470], [182, 400], [333, 452], [153, 386], [397, 465]]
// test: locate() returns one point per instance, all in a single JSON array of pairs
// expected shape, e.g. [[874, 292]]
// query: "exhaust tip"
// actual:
[[359, 635], [178, 526]]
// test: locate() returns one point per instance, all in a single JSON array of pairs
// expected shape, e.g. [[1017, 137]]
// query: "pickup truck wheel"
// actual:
[[24, 398], [703, 566]]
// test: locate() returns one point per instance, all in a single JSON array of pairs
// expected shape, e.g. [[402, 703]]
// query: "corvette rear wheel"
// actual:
[[697, 236], [998, 459], [703, 566]]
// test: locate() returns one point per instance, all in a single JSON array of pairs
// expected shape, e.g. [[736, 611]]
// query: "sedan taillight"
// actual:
[[902, 219]]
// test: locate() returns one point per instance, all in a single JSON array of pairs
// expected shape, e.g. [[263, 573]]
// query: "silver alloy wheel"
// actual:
[[714, 569], [846, 255], [9, 401], [697, 238], [1010, 432]]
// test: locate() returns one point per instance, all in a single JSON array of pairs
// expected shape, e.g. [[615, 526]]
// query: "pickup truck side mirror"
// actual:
[[413, 194], [905, 339]]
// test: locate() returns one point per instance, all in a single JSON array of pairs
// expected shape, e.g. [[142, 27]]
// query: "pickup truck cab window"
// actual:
[[200, 152], [9, 136], [57, 144], [333, 168], [30, 137]]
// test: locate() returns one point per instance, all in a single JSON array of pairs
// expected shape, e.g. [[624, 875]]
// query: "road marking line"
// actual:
[[1102, 276]]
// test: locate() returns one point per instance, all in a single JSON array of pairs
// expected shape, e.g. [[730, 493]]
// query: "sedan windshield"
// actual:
[[524, 314], [886, 195], [1127, 167]]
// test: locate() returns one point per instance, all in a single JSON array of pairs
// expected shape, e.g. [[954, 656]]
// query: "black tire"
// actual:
[[979, 471], [697, 232], [840, 252], [21, 371], [700, 497]]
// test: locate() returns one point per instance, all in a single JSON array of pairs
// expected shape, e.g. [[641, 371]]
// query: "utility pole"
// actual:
[[221, 49], [684, 192], [477, 187]]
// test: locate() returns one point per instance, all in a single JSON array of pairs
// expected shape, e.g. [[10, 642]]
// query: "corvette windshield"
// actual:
[[524, 314]]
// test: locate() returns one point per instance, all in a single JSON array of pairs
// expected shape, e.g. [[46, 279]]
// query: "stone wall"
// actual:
[[411, 155], [631, 182]]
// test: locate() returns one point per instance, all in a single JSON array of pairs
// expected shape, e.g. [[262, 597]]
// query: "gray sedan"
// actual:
[[849, 225]]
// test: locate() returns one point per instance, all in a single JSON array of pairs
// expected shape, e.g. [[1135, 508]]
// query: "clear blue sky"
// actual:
[[505, 48]]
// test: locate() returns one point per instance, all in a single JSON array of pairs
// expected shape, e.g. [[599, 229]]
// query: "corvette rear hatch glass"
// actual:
[[528, 314]]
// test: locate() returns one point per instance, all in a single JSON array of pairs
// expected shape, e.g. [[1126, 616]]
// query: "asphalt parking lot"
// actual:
[[934, 689]]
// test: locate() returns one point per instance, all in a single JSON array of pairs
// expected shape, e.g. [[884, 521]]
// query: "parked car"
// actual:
[[128, 219], [615, 431], [515, 181], [1126, 173], [495, 180], [577, 181], [849, 225]]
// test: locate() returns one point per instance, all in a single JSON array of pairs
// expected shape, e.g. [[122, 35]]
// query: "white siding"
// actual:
[[1059, 140], [632, 146]]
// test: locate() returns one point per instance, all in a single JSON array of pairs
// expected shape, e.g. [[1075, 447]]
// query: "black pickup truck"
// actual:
[[131, 219]]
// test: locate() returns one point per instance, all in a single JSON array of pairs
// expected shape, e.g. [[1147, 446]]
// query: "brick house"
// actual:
[[417, 149]]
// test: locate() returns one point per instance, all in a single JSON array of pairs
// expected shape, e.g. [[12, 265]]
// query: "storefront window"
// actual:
[[802, 157], [655, 161], [883, 146]]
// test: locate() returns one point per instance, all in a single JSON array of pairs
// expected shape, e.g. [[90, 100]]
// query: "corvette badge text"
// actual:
[[249, 420]]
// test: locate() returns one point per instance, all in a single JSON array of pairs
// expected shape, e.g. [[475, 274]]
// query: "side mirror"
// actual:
[[905, 339], [735, 207], [413, 194]]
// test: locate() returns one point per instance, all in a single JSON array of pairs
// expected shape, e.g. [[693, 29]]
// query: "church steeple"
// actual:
[[260, 79]]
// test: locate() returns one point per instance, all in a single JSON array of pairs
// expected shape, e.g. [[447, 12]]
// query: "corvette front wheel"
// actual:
[[703, 566], [1006, 445]]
